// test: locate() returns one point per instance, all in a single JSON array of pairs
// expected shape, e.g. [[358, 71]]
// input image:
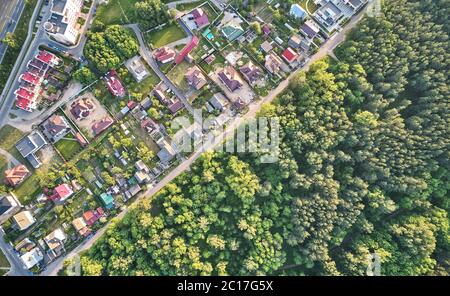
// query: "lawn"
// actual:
[[145, 86], [176, 75], [9, 136], [309, 5], [168, 34], [68, 146], [188, 6], [116, 12], [218, 62], [4, 264]]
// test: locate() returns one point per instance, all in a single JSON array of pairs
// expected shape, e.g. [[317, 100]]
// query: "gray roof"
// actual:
[[218, 101], [58, 5], [30, 143]]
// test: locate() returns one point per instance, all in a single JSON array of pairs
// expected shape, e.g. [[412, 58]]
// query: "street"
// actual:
[[17, 267], [55, 266], [11, 12]]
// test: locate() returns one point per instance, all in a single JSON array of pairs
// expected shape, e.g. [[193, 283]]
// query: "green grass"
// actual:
[[308, 5], [116, 12], [176, 75], [188, 6], [28, 190], [9, 136], [168, 34], [218, 62], [145, 86], [68, 147], [3, 264], [20, 35]]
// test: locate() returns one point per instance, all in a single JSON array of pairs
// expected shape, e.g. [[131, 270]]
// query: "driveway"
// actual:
[[17, 267]]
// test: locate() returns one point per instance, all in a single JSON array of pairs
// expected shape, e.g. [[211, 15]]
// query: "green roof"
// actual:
[[107, 199], [232, 32]]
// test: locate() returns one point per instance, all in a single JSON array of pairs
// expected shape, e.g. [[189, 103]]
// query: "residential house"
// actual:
[[328, 15], [141, 166], [251, 72], [9, 205], [195, 77], [163, 93], [164, 54], [137, 68], [16, 175], [56, 127], [107, 200], [200, 18], [114, 85], [99, 126], [23, 220], [298, 12], [289, 55], [310, 29], [218, 101], [149, 125], [32, 258], [167, 153], [266, 30], [187, 49], [142, 177], [81, 139], [93, 216], [55, 242], [61, 193], [230, 78], [266, 46], [82, 108], [135, 189], [63, 21], [295, 41], [81, 227], [273, 63], [29, 145]]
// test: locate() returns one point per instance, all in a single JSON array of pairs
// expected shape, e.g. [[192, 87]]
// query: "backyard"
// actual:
[[145, 86], [176, 75], [68, 146], [116, 12], [164, 36]]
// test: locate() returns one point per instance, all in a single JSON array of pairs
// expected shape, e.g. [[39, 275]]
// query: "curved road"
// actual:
[[254, 108]]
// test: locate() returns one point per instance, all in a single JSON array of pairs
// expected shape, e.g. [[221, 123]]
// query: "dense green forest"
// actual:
[[363, 168]]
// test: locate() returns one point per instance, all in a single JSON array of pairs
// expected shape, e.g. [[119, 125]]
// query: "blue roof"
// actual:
[[298, 11], [107, 199]]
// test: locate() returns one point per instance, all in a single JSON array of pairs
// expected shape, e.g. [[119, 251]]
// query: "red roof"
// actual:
[[30, 78], [187, 49], [92, 216], [16, 175], [102, 125], [164, 53], [22, 92], [131, 104], [200, 17], [114, 85], [62, 191], [45, 56], [23, 103], [289, 55]]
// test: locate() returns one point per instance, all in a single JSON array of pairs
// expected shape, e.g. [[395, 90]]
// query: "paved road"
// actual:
[[254, 108], [9, 18], [29, 50], [17, 267]]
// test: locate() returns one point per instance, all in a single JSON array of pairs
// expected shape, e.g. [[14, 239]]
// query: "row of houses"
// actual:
[[30, 82]]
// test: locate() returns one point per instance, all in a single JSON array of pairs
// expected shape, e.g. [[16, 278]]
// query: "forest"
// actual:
[[363, 170]]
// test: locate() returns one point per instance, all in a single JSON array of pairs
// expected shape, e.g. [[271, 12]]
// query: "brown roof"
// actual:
[[82, 108], [230, 78], [102, 125], [16, 175], [195, 77], [250, 72], [55, 124]]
